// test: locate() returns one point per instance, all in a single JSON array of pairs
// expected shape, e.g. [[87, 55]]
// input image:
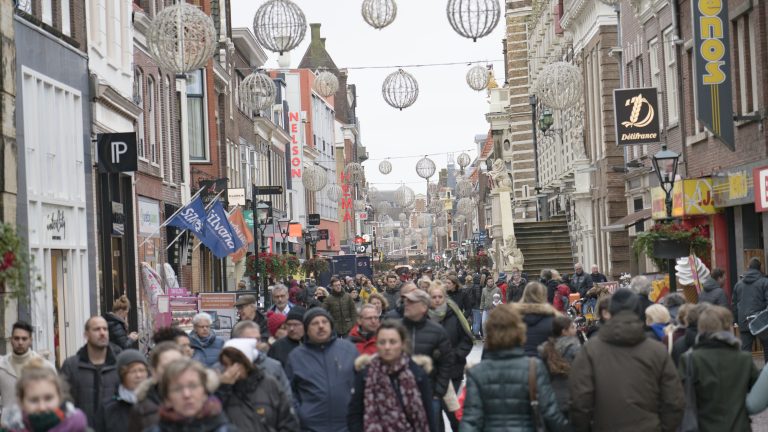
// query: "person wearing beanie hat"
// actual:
[[132, 369], [652, 395], [322, 394], [251, 398], [294, 325], [275, 321]]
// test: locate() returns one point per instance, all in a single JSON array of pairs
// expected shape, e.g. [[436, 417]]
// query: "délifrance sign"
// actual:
[[636, 116]]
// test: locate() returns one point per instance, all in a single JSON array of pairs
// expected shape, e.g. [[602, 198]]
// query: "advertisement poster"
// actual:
[[221, 307]]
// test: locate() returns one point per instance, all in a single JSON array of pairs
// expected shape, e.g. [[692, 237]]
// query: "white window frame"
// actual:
[[653, 53], [47, 11], [139, 82], [203, 97], [670, 78], [66, 25]]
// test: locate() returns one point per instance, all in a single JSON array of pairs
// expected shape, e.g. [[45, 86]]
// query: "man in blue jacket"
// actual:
[[322, 374]]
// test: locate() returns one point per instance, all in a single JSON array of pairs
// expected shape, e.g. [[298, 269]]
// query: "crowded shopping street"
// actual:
[[383, 216]]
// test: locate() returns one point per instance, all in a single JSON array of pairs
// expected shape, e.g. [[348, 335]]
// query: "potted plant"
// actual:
[[665, 241], [15, 268], [315, 266]]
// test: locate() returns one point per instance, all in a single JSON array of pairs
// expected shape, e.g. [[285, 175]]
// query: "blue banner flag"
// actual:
[[190, 217], [218, 234]]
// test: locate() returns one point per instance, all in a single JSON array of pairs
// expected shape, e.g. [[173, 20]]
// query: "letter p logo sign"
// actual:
[[117, 152], [118, 148]]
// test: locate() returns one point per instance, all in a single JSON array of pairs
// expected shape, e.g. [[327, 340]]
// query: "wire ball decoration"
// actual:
[[400, 89], [385, 167], [473, 19], [334, 192], [326, 84], [403, 217], [477, 78], [463, 160], [314, 178], [279, 25], [354, 172], [465, 206], [404, 196], [425, 168], [433, 188], [181, 38], [464, 188], [379, 13], [559, 85], [258, 91], [382, 206], [373, 193], [436, 206], [610, 2]]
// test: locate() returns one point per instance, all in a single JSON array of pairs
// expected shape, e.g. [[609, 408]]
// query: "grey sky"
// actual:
[[447, 115]]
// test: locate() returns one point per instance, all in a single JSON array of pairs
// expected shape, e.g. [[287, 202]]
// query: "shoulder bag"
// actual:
[[538, 420]]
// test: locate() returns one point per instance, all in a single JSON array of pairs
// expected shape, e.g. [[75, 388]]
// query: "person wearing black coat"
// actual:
[[750, 296], [430, 339], [459, 295], [712, 291], [476, 295], [133, 369], [446, 313], [550, 284], [251, 399], [537, 316], [117, 324]]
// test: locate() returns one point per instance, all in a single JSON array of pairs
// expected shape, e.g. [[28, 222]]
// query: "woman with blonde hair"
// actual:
[[42, 403], [117, 322], [657, 318], [537, 316], [499, 389]]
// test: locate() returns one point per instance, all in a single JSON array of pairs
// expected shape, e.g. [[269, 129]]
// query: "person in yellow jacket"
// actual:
[[367, 289]]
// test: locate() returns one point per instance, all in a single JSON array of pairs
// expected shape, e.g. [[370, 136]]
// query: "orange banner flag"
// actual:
[[237, 221]]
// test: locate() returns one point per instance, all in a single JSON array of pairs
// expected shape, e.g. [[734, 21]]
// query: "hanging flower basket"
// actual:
[[277, 267], [15, 269], [315, 266], [665, 241]]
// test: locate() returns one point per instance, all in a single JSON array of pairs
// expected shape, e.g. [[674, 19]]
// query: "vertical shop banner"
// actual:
[[190, 217], [237, 221], [218, 234], [760, 176], [714, 104]]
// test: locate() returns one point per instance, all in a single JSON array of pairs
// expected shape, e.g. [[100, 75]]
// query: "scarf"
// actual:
[[18, 361], [385, 410], [211, 408], [127, 395], [438, 314], [63, 419]]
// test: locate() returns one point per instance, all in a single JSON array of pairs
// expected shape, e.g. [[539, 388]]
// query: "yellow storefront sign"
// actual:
[[690, 197]]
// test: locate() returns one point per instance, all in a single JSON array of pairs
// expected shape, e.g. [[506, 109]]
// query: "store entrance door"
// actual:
[[59, 288]]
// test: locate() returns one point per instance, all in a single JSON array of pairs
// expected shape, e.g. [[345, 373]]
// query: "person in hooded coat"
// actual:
[[750, 296], [252, 400], [558, 354], [537, 316], [516, 286], [712, 289], [117, 324], [621, 381]]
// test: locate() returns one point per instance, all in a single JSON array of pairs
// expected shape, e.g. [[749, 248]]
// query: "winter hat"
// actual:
[[314, 313], [274, 321], [296, 314], [247, 346], [502, 277], [128, 357], [625, 300]]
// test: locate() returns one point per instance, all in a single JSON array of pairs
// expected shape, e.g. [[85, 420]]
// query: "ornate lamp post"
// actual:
[[665, 163], [284, 226], [261, 215], [311, 236]]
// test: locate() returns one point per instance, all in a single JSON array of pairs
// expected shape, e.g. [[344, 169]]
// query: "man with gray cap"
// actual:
[[429, 339], [248, 310], [322, 374]]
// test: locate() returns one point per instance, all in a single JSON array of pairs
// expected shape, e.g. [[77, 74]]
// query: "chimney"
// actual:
[[322, 42], [315, 28]]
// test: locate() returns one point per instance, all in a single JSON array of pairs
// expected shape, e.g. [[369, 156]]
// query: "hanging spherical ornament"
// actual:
[[477, 78], [464, 188], [400, 89], [279, 25], [314, 178], [326, 84], [379, 13], [359, 205], [425, 168], [473, 19], [383, 206], [334, 192], [459, 219], [465, 206], [463, 160], [404, 196], [257, 92], [400, 231], [181, 38], [403, 217], [441, 220], [385, 167], [408, 231], [354, 172], [441, 231], [559, 85]]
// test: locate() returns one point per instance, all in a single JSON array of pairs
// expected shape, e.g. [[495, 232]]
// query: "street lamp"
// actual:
[[312, 236], [665, 164], [546, 120], [284, 226], [261, 214]]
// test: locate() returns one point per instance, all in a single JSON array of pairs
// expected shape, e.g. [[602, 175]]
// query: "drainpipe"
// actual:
[[679, 77]]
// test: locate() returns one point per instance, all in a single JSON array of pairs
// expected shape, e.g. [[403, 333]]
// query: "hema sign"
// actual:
[[117, 152], [636, 113]]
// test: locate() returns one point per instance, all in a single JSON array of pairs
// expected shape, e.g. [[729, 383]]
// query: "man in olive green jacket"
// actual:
[[341, 307]]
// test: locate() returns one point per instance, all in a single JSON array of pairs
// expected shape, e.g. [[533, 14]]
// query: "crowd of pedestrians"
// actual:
[[392, 356]]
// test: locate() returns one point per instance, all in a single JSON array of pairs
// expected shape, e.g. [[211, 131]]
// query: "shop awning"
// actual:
[[628, 220]]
